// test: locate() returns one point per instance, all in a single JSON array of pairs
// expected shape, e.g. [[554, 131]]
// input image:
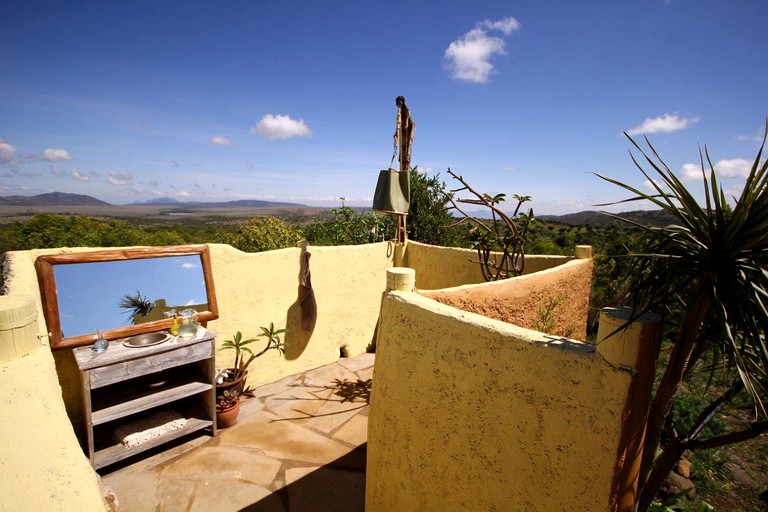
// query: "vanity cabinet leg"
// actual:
[[86, 395]]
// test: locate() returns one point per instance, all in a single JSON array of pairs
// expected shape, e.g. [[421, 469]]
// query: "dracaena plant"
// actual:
[[707, 271]]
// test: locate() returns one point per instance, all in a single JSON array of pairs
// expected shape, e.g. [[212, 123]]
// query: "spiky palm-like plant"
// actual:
[[714, 260], [136, 306]]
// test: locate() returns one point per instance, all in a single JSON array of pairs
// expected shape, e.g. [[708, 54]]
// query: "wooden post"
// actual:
[[634, 346], [405, 132]]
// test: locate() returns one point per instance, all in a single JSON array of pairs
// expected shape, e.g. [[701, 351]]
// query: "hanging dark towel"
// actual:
[[393, 192], [307, 295]]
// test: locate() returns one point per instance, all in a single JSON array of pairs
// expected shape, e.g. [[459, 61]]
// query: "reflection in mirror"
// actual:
[[123, 292], [109, 294]]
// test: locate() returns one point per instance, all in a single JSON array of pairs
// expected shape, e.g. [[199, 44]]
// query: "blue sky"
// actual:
[[295, 100]]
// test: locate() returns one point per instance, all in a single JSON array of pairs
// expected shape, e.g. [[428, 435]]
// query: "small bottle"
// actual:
[[101, 344], [174, 329]]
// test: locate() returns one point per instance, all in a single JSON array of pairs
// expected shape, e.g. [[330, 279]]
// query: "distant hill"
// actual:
[[243, 203], [64, 199], [585, 218], [52, 199], [159, 200], [599, 219]]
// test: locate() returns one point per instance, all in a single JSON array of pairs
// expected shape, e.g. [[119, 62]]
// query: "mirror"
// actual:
[[123, 292]]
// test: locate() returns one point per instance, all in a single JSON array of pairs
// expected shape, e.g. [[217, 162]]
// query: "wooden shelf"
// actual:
[[145, 401], [119, 452]]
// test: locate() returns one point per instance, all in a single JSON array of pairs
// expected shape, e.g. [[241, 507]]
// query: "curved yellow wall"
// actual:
[[41, 463], [446, 267], [469, 413]]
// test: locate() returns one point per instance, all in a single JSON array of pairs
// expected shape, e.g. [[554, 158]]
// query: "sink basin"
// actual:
[[146, 340]]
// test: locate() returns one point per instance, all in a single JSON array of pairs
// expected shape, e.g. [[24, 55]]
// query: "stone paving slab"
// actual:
[[135, 491], [230, 464], [333, 414], [299, 445], [357, 363], [354, 432], [235, 495], [282, 439], [175, 495], [327, 376]]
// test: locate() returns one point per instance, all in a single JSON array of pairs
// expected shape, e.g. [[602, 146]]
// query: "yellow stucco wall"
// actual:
[[469, 413], [254, 289], [446, 267], [489, 403], [41, 463]]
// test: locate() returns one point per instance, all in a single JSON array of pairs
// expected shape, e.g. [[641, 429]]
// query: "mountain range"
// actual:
[[64, 199], [242, 203], [585, 218]]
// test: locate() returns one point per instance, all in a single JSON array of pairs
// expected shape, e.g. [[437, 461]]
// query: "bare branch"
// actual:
[[757, 428]]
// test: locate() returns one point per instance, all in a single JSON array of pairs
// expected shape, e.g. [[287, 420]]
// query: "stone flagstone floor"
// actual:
[[299, 445]]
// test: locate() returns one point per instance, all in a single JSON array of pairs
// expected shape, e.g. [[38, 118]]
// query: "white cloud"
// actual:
[[280, 127], [221, 140], [690, 172], [56, 155], [649, 185], [76, 174], [748, 138], [6, 151], [249, 166], [119, 178], [506, 25], [508, 168], [183, 193], [468, 57], [662, 124], [734, 168]]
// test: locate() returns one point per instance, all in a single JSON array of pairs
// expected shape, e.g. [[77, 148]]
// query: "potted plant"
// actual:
[[227, 408], [234, 377]]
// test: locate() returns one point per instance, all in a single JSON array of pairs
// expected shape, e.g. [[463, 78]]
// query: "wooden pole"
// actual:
[[634, 346], [405, 131]]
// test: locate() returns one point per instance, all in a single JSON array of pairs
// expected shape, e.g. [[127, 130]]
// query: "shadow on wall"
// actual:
[[302, 314]]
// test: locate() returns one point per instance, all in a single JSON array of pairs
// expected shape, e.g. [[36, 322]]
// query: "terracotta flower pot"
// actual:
[[237, 384], [227, 417]]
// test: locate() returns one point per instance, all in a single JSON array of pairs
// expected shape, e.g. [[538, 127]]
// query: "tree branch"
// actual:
[[757, 428]]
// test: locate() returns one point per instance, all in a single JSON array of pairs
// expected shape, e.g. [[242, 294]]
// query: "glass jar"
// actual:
[[188, 323]]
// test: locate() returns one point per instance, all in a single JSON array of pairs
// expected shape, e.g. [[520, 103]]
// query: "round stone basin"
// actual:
[[146, 339]]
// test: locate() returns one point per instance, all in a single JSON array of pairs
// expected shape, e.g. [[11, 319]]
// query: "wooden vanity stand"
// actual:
[[125, 384]]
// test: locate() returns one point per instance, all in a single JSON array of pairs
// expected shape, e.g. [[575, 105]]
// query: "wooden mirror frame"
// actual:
[[47, 282]]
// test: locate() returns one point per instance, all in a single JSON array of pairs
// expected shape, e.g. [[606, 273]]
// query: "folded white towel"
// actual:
[[140, 431]]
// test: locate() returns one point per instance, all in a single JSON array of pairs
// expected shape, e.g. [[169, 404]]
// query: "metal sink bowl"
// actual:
[[146, 339]]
